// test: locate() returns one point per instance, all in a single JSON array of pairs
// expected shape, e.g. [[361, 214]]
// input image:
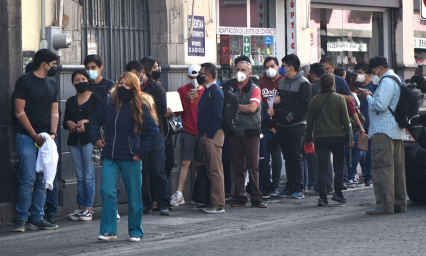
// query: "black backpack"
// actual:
[[407, 110], [230, 108]]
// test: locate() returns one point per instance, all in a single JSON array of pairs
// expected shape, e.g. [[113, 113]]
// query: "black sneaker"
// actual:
[[19, 226], [43, 224], [322, 202], [86, 215], [368, 183], [51, 218], [258, 204], [147, 210], [164, 211], [228, 196], [266, 194], [338, 198], [238, 203]]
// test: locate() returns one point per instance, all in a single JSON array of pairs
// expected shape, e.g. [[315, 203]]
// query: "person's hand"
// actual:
[[363, 93], [100, 143], [83, 121], [80, 127], [169, 113], [362, 132], [136, 158], [53, 137], [270, 112], [273, 130], [72, 130], [288, 119], [211, 140], [191, 95], [277, 100], [350, 144], [39, 140], [71, 125]]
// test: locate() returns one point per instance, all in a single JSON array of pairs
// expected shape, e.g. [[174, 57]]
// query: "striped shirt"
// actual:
[[381, 119]]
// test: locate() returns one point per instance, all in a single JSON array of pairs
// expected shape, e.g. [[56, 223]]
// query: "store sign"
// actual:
[[419, 43], [268, 40], [339, 46], [197, 43], [423, 9], [291, 27], [225, 52], [260, 11], [246, 46], [246, 31]]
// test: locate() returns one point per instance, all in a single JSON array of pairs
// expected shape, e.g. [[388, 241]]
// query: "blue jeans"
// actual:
[[356, 156], [31, 189], [132, 177], [365, 163], [85, 171], [263, 158]]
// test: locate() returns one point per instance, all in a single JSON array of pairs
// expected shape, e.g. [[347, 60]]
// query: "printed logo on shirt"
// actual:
[[268, 93]]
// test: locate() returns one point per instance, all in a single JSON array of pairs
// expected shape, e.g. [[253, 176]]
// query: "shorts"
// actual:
[[190, 147]]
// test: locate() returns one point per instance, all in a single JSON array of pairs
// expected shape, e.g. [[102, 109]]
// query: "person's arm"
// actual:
[[160, 100], [96, 122], [54, 118], [67, 123], [184, 100], [151, 130], [217, 104], [382, 96], [310, 124], [248, 108], [305, 92], [347, 98], [345, 118]]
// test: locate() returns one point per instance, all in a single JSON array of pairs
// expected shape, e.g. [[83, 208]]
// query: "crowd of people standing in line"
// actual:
[[304, 114]]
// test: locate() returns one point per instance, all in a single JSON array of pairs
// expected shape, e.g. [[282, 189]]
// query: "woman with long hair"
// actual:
[[125, 114]]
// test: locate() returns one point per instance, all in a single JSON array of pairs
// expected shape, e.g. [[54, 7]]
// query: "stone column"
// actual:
[[10, 70]]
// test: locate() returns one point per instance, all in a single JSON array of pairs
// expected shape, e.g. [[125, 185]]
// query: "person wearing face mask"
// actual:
[[368, 84], [269, 83], [155, 189], [191, 150], [78, 110], [97, 83], [387, 147], [126, 114], [36, 98]]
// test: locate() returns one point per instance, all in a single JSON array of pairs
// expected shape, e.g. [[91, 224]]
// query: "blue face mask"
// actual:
[[93, 74], [281, 71]]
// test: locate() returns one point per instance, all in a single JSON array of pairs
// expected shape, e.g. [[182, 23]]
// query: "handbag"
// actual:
[[355, 126], [175, 126], [201, 191], [362, 143], [97, 157]]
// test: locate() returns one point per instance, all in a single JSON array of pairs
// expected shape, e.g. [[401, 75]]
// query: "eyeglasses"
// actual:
[[201, 73], [284, 66]]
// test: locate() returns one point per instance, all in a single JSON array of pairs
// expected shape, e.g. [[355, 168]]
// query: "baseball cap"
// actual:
[[193, 70], [375, 62]]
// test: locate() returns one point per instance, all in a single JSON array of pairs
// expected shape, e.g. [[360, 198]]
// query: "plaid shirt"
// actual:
[[381, 119]]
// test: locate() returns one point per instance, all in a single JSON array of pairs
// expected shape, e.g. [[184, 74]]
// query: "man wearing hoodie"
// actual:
[[293, 102]]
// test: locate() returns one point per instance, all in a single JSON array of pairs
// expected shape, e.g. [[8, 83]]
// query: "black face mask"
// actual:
[[201, 80], [82, 87], [155, 74], [124, 93], [52, 71]]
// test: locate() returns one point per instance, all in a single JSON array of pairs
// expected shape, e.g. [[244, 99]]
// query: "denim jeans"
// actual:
[[132, 178], [356, 156], [156, 159], [365, 162], [85, 171], [314, 170], [291, 140], [263, 158], [323, 147], [31, 189]]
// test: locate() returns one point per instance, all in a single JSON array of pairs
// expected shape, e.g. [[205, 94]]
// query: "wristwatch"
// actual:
[[52, 133]]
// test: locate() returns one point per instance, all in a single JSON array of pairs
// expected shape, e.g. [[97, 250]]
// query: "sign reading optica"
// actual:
[[197, 43], [291, 27]]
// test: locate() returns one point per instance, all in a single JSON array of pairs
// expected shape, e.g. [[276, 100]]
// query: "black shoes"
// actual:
[[51, 218], [19, 226], [147, 210], [164, 211], [266, 193], [322, 202], [338, 198], [258, 204], [238, 203]]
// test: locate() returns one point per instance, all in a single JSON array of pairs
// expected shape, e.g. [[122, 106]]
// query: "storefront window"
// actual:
[[348, 36], [420, 41], [232, 13]]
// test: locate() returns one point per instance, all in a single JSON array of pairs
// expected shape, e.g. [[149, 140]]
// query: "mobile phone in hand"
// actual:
[[194, 90]]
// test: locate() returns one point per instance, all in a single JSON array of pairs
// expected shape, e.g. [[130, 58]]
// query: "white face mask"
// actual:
[[271, 73], [194, 83], [361, 79], [241, 76]]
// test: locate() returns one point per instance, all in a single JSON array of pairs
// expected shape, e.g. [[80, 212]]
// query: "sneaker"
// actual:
[[43, 224], [177, 200], [134, 239], [107, 236], [338, 198], [351, 184], [74, 215], [358, 184], [322, 202], [368, 183], [194, 203], [147, 210], [214, 209], [311, 192], [201, 207], [377, 212], [19, 226], [330, 193], [238, 203], [86, 215], [228, 196], [344, 187], [258, 204], [298, 195], [274, 192], [266, 194], [164, 211], [51, 218], [118, 216], [284, 194]]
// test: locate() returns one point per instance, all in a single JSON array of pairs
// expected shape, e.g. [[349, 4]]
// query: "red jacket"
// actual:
[[269, 88], [190, 109]]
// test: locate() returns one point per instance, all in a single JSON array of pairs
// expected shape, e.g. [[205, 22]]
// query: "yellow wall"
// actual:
[[31, 22]]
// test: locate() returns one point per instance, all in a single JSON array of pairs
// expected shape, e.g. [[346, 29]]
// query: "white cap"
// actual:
[[193, 70]]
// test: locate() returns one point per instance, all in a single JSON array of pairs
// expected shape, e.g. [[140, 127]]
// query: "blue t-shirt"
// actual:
[[341, 86], [364, 104]]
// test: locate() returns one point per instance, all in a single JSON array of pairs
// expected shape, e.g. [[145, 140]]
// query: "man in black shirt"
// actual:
[[98, 84], [36, 99]]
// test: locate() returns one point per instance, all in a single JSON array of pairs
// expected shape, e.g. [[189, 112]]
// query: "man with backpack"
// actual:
[[387, 147]]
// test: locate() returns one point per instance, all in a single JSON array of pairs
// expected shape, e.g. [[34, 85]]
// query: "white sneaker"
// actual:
[[107, 236], [177, 200], [118, 216], [86, 215], [134, 239], [75, 215]]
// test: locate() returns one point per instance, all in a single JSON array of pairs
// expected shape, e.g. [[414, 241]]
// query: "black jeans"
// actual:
[[313, 170], [291, 140], [323, 147], [226, 162]]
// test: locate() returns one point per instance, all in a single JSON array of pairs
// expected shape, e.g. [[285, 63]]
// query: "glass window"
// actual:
[[259, 14], [419, 40], [348, 36], [233, 13]]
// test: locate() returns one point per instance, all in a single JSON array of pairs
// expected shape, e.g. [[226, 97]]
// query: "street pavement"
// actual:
[[286, 227]]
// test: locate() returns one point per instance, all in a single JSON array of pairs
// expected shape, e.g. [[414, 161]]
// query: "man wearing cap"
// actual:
[[191, 150], [387, 148]]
